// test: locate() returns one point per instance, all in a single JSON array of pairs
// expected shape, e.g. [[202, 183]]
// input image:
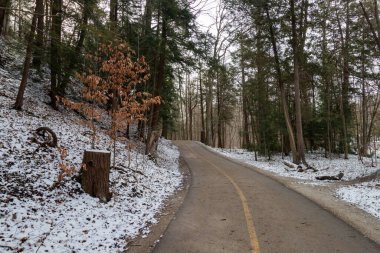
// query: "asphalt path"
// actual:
[[231, 208]]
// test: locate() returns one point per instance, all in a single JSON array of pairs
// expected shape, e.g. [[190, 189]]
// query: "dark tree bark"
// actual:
[[326, 77], [191, 107], [113, 14], [160, 76], [95, 175], [55, 52], [26, 67], [148, 17], [3, 11], [364, 113], [39, 42], [201, 101], [297, 93], [344, 103], [218, 109], [209, 114]]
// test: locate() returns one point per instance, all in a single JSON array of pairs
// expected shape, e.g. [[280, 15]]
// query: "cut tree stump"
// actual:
[[95, 174]]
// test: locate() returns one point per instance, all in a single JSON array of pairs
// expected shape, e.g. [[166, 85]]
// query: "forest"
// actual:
[[270, 76], [174, 125]]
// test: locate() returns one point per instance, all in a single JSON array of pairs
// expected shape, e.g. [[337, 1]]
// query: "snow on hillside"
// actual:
[[364, 195], [34, 218]]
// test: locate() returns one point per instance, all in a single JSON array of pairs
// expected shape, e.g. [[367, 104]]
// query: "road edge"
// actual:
[[323, 196], [147, 243]]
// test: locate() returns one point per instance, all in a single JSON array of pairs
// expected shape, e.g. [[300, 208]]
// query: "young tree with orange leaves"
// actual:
[[119, 73]]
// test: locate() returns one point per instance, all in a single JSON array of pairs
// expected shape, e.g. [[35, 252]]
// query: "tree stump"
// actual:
[[95, 174]]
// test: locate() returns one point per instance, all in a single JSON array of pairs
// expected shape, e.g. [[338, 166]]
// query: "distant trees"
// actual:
[[304, 67], [288, 75]]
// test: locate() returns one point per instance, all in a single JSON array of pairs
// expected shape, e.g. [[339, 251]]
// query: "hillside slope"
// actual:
[[36, 218]]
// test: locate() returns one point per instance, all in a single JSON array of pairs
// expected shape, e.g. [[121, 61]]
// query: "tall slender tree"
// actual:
[[55, 52], [28, 57]]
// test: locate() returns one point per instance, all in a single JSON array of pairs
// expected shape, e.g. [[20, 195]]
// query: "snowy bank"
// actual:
[[34, 218], [351, 167], [364, 195]]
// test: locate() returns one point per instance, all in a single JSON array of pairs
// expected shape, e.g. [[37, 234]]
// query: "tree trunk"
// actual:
[[182, 130], [201, 100], [160, 77], [3, 11], [203, 130], [113, 15], [20, 20], [39, 42], [246, 141], [190, 105], [209, 113], [25, 71], [55, 51], [343, 103], [152, 143], [218, 110], [364, 148], [147, 17], [281, 85], [297, 93], [186, 105], [326, 77], [48, 15], [95, 175]]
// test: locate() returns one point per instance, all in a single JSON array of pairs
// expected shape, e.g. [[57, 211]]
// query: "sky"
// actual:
[[207, 10]]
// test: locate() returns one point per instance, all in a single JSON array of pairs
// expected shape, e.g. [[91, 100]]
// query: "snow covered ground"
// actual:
[[36, 218], [352, 167], [364, 195]]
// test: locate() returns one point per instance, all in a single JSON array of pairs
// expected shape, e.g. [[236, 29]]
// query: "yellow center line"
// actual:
[[247, 213]]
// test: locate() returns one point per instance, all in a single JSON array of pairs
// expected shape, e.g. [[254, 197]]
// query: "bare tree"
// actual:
[[28, 57]]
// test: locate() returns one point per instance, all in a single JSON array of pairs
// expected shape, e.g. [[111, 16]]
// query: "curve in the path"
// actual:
[[225, 199]]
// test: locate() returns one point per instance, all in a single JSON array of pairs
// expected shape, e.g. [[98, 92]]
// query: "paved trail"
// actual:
[[233, 209]]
